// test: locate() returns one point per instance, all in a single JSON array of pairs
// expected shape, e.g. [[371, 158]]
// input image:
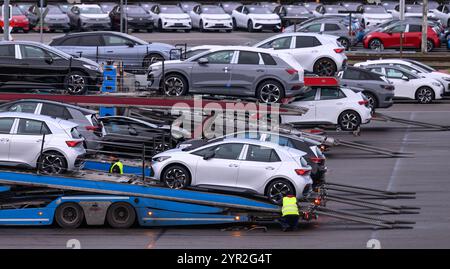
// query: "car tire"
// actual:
[[375, 44], [160, 26], [151, 59], [76, 83], [325, 67], [228, 31], [175, 85], [425, 95], [52, 163], [121, 215], [25, 31], [430, 45], [234, 24], [270, 91], [201, 26], [69, 215], [277, 189], [373, 100], [250, 26], [344, 42], [176, 177], [349, 120]]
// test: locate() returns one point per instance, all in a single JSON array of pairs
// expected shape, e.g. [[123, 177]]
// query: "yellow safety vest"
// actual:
[[289, 206], [119, 164]]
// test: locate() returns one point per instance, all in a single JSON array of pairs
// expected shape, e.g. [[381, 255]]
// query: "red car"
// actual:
[[18, 21], [390, 37]]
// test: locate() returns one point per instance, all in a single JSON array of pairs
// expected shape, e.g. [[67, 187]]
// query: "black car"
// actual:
[[135, 18], [54, 20], [126, 136], [292, 14], [314, 156], [27, 65]]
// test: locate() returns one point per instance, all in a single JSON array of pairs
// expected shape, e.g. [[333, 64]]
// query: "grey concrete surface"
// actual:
[[427, 174]]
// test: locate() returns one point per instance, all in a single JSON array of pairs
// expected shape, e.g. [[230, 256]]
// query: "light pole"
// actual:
[[424, 26], [6, 17]]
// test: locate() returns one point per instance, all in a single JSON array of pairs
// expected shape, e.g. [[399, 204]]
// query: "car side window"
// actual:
[[112, 40], [279, 43], [32, 127], [414, 28], [268, 59], [306, 42], [248, 57], [32, 52], [351, 74], [90, 41], [26, 107], [377, 70], [331, 94], [5, 125], [116, 127], [393, 73], [315, 28], [261, 154], [398, 29], [229, 151], [308, 95], [220, 57], [56, 111], [7, 52], [73, 41], [331, 27]]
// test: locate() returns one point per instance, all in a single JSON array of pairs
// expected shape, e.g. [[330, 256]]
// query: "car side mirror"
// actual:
[[209, 155], [130, 44], [405, 78], [48, 59], [132, 131], [203, 61]]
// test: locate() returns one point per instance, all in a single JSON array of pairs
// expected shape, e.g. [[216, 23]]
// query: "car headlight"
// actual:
[[91, 67], [182, 146], [130, 19], [446, 79], [161, 158], [437, 84]]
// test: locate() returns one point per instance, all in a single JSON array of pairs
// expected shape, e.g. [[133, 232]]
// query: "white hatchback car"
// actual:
[[210, 17], [255, 17], [410, 85], [333, 105], [237, 165], [414, 67], [317, 53], [170, 17], [21, 136]]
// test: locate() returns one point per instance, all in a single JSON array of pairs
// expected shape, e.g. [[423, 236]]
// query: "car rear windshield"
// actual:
[[75, 134]]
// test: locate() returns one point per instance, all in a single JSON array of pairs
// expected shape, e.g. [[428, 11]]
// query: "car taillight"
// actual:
[[363, 102], [72, 144], [92, 128], [388, 87], [292, 71], [339, 50], [317, 160], [302, 172]]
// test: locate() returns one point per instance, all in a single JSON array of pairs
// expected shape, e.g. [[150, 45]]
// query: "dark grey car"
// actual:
[[88, 125], [378, 90], [231, 71], [292, 14], [54, 20], [329, 27]]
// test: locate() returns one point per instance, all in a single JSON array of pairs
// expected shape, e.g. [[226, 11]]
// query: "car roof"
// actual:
[[81, 109], [90, 33], [245, 48], [31, 116]]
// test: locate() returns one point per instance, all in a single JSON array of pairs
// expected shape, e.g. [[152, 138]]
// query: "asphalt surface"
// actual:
[[426, 173]]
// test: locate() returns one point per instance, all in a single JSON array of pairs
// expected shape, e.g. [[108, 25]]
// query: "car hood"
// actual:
[[94, 16], [83, 60], [148, 16], [160, 46], [264, 16]]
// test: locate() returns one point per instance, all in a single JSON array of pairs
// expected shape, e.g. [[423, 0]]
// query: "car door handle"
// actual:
[[109, 51], [259, 70], [6, 140], [270, 168], [39, 140], [233, 165]]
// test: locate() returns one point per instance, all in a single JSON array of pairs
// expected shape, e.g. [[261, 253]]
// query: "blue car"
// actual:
[[135, 54]]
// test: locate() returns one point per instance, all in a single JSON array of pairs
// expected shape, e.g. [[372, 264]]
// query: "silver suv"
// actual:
[[21, 140], [231, 71]]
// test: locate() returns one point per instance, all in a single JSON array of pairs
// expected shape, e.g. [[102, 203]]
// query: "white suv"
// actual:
[[255, 17], [21, 136], [317, 53], [238, 165]]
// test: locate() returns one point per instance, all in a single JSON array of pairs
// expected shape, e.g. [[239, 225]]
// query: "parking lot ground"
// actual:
[[427, 174]]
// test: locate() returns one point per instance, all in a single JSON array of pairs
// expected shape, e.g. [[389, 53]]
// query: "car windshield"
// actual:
[[334, 9], [213, 10], [414, 9], [192, 53], [107, 7], [374, 10], [64, 8], [135, 10], [91, 10], [259, 10], [54, 10], [171, 10], [297, 10]]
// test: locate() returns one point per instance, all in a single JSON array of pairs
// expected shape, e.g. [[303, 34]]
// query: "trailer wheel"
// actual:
[[121, 215], [69, 215]]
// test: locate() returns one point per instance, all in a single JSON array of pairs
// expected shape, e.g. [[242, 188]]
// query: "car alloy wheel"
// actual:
[[174, 86], [349, 121], [278, 190], [376, 44], [425, 95], [176, 178], [270, 93], [344, 42], [324, 67], [76, 84], [52, 163], [372, 100], [430, 45]]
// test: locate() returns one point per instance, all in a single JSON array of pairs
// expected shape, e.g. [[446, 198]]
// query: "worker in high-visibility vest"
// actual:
[[116, 166], [290, 213]]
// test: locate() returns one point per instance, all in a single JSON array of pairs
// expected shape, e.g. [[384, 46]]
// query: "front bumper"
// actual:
[[140, 25], [177, 24], [96, 25], [218, 24], [58, 26]]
